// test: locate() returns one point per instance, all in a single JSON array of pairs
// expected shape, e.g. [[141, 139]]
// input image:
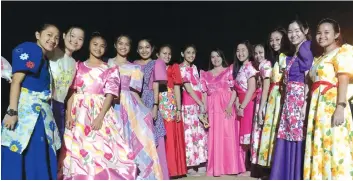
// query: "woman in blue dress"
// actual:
[[30, 137]]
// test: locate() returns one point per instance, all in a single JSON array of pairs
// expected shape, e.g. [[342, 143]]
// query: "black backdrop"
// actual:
[[205, 24]]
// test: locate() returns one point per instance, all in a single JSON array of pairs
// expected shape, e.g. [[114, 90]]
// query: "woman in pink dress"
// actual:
[[223, 137], [136, 117], [245, 85], [94, 138], [192, 106]]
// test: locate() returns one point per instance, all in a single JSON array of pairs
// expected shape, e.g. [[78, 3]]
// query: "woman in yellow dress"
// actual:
[[329, 148], [279, 46]]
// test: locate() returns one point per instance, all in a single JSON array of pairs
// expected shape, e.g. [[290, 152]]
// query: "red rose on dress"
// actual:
[[73, 111], [87, 130], [30, 64], [130, 156], [83, 153], [108, 156], [107, 130]]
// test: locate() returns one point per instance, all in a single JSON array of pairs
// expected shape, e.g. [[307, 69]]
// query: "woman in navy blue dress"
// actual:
[[29, 135]]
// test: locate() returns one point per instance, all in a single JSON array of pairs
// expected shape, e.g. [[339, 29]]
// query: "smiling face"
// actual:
[[97, 47], [165, 54], [48, 39], [189, 54], [326, 35], [144, 49], [123, 46], [295, 34], [259, 54], [275, 40], [242, 52], [74, 39], [216, 59]]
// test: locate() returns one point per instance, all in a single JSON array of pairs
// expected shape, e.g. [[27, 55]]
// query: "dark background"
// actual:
[[206, 24]]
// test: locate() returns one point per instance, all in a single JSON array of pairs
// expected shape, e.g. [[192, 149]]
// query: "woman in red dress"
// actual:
[[170, 106]]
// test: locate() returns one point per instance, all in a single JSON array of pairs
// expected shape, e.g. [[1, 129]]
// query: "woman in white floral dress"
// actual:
[[195, 133], [62, 67]]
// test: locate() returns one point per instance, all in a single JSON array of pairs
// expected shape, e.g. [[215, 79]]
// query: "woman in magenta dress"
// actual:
[[94, 138], [136, 117], [192, 106], [245, 85], [289, 149], [155, 74], [170, 108], [224, 157]]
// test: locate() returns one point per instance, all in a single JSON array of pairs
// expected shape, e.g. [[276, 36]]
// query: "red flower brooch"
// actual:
[[30, 64]]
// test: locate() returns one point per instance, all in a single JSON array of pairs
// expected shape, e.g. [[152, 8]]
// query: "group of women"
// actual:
[[279, 111]]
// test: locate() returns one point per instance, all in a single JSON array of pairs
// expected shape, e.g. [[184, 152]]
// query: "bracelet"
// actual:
[[343, 104], [155, 104]]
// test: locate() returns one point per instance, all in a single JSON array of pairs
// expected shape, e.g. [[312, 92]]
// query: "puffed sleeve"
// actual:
[[305, 56], [6, 69], [160, 71], [250, 71], [76, 80], [266, 70], [343, 62], [27, 57], [203, 81], [176, 76], [112, 83], [136, 78], [185, 74], [282, 63]]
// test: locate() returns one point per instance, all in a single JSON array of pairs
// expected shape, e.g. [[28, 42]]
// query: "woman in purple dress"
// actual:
[[289, 151], [155, 74]]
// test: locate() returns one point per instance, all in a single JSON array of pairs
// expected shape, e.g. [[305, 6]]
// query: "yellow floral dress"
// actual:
[[273, 108], [329, 151]]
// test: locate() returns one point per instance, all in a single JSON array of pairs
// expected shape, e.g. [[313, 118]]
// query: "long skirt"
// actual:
[[37, 162], [175, 148]]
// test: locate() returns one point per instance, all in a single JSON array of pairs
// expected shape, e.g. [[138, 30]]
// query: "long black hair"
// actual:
[[286, 47], [237, 63]]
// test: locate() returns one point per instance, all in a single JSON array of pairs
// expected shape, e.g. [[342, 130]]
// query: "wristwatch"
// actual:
[[12, 112], [343, 104]]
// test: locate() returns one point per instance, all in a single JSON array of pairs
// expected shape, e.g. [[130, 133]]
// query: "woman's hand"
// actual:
[[10, 121], [154, 112], [338, 117], [97, 123]]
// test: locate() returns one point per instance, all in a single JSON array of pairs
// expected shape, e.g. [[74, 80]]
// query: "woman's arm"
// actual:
[[177, 96], [155, 86], [264, 96], [192, 93], [338, 117], [15, 89], [98, 121], [204, 99], [249, 92], [106, 105], [10, 121]]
